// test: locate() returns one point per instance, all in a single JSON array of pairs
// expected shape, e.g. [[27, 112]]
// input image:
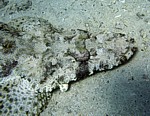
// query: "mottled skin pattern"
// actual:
[[35, 54]]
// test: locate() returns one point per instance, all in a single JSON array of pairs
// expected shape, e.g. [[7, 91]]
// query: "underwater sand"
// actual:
[[123, 91]]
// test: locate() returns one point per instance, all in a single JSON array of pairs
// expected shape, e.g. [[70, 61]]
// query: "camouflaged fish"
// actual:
[[36, 58]]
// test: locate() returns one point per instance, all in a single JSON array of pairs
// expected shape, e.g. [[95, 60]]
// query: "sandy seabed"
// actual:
[[124, 91]]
